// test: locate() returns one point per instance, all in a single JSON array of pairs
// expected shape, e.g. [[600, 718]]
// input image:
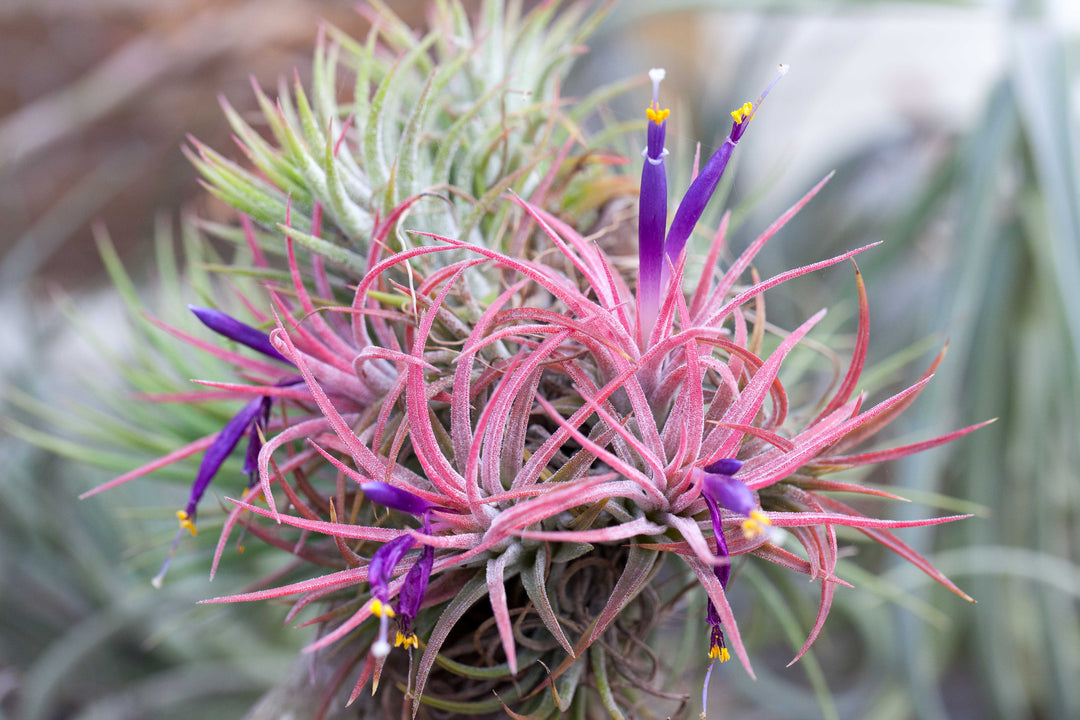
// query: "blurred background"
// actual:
[[951, 127]]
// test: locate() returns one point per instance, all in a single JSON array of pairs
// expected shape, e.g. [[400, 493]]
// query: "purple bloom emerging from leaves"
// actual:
[[233, 329], [255, 441], [216, 455], [652, 212], [720, 490], [382, 566], [717, 648], [412, 593], [389, 496], [387, 557], [724, 466], [704, 185], [252, 419]]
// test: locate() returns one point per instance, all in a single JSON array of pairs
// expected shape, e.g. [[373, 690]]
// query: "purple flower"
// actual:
[[724, 466], [382, 566], [412, 592], [717, 649], [252, 419], [233, 329], [704, 185], [720, 490], [255, 440], [389, 496], [652, 211], [216, 455]]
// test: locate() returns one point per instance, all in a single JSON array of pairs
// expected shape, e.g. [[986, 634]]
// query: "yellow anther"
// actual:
[[379, 609], [755, 524], [719, 653], [743, 113], [656, 115], [185, 522], [406, 641]]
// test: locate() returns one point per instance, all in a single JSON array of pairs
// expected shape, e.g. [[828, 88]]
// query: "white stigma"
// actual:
[[781, 72], [381, 648], [656, 75]]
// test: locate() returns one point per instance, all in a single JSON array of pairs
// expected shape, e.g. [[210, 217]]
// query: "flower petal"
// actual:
[[395, 498], [233, 329]]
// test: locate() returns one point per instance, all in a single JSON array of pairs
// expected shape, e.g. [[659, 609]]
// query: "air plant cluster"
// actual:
[[502, 459]]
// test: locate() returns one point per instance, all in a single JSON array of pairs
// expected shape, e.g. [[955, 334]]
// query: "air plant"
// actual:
[[506, 455]]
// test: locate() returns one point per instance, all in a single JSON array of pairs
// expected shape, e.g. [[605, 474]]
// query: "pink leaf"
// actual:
[[497, 597], [176, 455], [719, 600], [622, 531], [872, 458]]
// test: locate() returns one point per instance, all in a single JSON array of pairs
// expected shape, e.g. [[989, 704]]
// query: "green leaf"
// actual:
[[334, 253], [534, 579], [598, 663]]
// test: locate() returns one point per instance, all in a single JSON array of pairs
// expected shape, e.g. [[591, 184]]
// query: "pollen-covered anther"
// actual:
[[186, 522], [656, 115], [755, 524], [719, 653], [381, 609], [406, 641], [743, 113], [717, 648]]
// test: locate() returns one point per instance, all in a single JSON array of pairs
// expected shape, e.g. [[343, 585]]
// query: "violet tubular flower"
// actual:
[[717, 649], [244, 421], [652, 211], [704, 185], [252, 420], [394, 498], [412, 594], [719, 487], [380, 570], [386, 558], [720, 490], [230, 327]]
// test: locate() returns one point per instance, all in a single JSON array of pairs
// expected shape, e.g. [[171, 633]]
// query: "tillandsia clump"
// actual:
[[503, 443]]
